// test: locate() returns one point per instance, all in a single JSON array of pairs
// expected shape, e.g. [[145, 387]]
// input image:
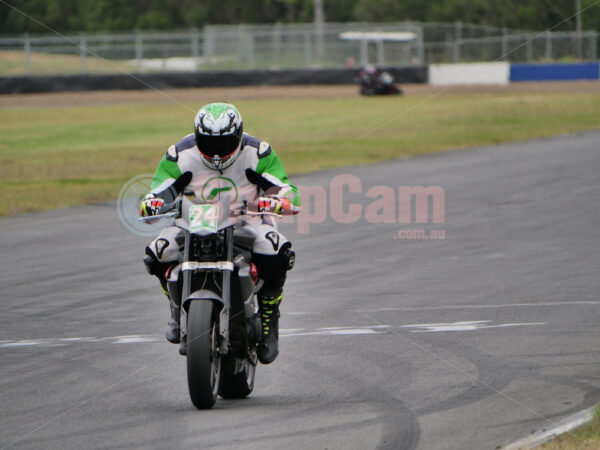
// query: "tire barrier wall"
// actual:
[[554, 72], [58, 83]]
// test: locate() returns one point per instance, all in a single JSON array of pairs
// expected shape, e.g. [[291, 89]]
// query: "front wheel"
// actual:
[[203, 360]]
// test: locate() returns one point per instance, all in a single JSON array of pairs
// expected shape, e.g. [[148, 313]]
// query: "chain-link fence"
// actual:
[[278, 46]]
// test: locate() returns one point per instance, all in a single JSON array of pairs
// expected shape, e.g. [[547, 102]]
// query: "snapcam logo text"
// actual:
[[346, 202]]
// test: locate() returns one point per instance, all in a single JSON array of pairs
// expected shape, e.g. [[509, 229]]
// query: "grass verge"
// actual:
[[70, 155], [584, 437]]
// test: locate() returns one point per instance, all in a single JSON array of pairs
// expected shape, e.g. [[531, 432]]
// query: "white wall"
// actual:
[[472, 73]]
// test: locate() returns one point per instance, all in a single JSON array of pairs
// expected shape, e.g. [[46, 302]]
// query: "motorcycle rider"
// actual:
[[375, 82], [227, 159]]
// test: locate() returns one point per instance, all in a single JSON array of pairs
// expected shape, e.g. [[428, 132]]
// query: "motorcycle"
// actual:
[[220, 325], [378, 83]]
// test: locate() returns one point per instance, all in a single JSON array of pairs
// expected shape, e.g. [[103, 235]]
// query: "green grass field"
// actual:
[[70, 155]]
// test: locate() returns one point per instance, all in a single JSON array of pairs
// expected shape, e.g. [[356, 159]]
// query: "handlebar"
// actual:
[[173, 210]]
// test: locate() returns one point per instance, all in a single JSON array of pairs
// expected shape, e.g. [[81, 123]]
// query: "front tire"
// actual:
[[203, 360]]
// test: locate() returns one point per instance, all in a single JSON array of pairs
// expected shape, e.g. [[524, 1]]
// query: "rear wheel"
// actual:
[[236, 385], [203, 360]]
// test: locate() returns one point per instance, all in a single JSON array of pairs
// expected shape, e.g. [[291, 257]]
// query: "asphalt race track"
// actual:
[[466, 342]]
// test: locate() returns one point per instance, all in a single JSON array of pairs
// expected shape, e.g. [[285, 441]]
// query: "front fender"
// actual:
[[203, 294]]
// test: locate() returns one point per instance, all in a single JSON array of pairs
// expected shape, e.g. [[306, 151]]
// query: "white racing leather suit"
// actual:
[[256, 170]]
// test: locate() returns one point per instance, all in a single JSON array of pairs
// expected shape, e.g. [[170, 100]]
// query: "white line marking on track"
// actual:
[[334, 331], [140, 339], [59, 342], [135, 339], [506, 305], [353, 331], [291, 332], [27, 343], [463, 326]]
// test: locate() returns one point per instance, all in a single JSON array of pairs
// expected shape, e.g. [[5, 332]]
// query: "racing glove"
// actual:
[[151, 205], [274, 204]]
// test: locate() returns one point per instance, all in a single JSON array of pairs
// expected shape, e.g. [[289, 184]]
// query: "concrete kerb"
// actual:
[[544, 435]]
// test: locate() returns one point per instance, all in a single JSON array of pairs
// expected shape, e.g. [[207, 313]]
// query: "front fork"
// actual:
[[225, 293]]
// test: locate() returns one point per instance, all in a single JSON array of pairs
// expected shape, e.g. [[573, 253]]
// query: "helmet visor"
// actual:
[[221, 146]]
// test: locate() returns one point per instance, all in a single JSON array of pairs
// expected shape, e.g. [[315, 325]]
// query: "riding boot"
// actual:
[[172, 333], [269, 314]]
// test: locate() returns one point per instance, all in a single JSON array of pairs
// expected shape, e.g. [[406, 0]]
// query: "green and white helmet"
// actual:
[[218, 128]]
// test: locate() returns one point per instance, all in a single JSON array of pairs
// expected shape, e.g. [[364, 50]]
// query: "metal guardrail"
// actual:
[[291, 46]]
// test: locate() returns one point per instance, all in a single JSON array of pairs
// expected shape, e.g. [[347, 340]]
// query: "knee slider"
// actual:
[[153, 265], [150, 261], [287, 256]]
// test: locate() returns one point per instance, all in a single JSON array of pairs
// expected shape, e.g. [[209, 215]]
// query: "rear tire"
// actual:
[[236, 385], [203, 360]]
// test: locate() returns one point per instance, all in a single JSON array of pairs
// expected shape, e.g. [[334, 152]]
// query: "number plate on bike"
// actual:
[[204, 218]]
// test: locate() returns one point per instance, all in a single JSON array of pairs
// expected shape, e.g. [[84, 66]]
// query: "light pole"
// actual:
[[578, 26], [319, 26]]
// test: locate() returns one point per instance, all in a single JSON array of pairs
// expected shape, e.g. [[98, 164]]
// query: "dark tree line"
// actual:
[[121, 15]]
